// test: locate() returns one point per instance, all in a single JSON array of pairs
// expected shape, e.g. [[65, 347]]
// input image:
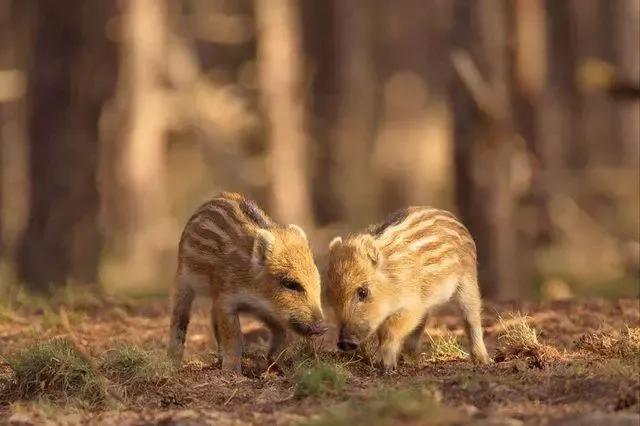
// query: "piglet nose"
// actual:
[[347, 345]]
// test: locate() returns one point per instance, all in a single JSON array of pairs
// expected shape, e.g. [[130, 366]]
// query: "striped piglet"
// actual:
[[387, 279], [248, 263]]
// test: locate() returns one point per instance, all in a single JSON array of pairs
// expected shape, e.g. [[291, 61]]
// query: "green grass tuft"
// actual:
[[418, 405], [319, 377], [300, 350], [615, 344], [519, 341], [368, 350], [134, 363], [56, 370], [445, 348], [516, 333]]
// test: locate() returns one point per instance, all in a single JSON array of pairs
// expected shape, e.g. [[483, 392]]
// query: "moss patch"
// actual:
[[319, 377], [56, 370], [133, 363], [418, 405]]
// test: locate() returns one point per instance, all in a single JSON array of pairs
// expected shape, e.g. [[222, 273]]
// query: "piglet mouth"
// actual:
[[347, 340], [347, 345], [309, 329]]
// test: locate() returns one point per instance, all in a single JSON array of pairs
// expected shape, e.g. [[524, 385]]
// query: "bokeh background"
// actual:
[[117, 118]]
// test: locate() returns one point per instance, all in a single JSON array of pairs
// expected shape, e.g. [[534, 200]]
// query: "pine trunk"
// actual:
[[71, 75], [280, 75]]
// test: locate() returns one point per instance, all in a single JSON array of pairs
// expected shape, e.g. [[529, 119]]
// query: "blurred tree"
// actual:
[[356, 110], [529, 91], [415, 127], [10, 91], [5, 63], [2, 247], [592, 37], [627, 57], [321, 46], [280, 75], [485, 143], [145, 225], [529, 70], [14, 39], [559, 104], [71, 74], [340, 39]]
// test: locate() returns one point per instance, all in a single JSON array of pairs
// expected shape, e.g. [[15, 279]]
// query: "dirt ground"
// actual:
[[566, 382]]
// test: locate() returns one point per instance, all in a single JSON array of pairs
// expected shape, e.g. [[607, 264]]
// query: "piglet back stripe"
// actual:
[[221, 230], [394, 219], [255, 214], [428, 234], [201, 244], [227, 215]]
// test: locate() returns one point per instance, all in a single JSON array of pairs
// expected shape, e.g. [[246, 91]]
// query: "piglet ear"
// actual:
[[262, 247], [299, 230], [371, 250], [335, 243]]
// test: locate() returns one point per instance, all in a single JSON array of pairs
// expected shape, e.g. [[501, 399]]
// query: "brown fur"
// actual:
[[245, 259], [419, 258]]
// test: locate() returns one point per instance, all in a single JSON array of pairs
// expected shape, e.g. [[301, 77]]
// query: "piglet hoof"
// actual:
[[387, 370], [481, 359]]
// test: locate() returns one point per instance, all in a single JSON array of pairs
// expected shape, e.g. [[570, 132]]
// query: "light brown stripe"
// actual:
[[205, 233], [428, 222], [190, 248], [223, 217], [202, 244], [392, 231]]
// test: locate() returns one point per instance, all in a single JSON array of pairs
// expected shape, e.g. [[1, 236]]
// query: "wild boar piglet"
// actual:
[[248, 263], [387, 279]]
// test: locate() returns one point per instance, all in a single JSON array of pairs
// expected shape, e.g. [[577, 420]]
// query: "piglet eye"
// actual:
[[292, 285], [363, 293]]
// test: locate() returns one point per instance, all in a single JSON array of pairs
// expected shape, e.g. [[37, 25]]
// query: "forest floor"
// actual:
[[573, 362]]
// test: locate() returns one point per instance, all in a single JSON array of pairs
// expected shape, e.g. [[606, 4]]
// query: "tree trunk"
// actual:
[[596, 136], [414, 144], [530, 57], [627, 52], [5, 63], [14, 39], [559, 106], [484, 145], [71, 75], [529, 77], [321, 44], [146, 226], [280, 77], [356, 106], [11, 93]]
